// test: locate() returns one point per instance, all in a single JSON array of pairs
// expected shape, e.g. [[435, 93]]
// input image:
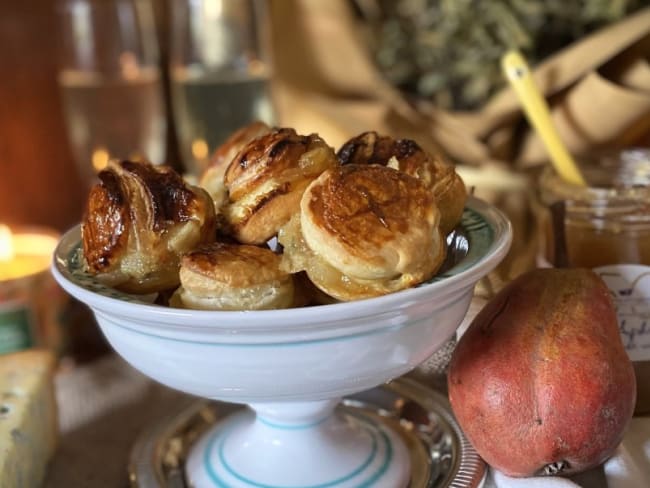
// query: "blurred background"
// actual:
[[84, 81], [443, 53]]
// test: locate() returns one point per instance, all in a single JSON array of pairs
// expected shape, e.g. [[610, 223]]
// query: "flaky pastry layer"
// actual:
[[137, 222], [212, 178], [266, 180]]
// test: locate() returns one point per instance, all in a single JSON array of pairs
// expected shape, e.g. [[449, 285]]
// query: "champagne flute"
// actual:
[[110, 82], [220, 71]]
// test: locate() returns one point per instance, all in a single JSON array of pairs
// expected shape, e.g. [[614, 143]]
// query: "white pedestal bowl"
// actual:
[[292, 366]]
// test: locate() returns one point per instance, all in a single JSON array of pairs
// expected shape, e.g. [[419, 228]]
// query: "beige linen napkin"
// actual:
[[326, 82]]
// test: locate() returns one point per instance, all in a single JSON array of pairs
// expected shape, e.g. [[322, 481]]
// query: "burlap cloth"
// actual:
[[102, 409], [327, 82]]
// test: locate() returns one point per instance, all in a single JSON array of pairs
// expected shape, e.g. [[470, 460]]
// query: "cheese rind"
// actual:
[[28, 418]]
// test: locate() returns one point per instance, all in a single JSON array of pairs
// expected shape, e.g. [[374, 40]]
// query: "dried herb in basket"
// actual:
[[448, 51]]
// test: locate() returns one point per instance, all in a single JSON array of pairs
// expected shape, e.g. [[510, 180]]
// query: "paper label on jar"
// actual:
[[630, 288], [15, 327]]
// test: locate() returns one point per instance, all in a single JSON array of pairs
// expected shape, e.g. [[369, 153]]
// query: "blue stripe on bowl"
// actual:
[[374, 429], [292, 343]]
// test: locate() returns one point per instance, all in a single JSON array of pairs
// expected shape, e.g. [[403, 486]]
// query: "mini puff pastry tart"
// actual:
[[221, 276], [212, 177], [364, 231], [406, 155], [138, 220], [266, 180]]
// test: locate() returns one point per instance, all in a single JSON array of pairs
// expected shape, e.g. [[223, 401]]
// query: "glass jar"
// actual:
[[606, 226]]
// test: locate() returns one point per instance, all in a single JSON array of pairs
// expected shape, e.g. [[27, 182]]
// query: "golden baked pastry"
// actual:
[[221, 276], [266, 179], [137, 222], [406, 155], [364, 231], [212, 177]]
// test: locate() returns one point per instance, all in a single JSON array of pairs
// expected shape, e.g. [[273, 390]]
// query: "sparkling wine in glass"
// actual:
[[220, 73], [110, 83]]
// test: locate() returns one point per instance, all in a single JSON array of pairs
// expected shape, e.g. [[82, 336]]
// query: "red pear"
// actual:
[[541, 382]]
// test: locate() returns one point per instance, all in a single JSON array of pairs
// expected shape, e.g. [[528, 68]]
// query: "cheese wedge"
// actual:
[[28, 419]]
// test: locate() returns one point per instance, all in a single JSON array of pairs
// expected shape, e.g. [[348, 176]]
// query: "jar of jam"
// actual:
[[606, 226]]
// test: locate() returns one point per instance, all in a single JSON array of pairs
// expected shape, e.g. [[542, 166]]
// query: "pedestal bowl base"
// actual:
[[342, 449], [173, 451]]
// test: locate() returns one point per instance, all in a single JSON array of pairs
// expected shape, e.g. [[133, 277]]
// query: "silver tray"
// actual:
[[441, 456]]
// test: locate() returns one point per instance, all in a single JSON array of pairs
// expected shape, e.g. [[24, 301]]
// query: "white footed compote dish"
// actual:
[[292, 366]]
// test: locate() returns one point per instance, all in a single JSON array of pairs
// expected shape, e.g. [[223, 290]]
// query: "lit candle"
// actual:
[[25, 256], [24, 253]]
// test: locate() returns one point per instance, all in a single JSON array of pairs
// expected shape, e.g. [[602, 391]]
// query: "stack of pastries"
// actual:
[[277, 220]]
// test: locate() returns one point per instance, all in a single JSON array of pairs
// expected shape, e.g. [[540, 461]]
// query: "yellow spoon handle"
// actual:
[[536, 109]]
